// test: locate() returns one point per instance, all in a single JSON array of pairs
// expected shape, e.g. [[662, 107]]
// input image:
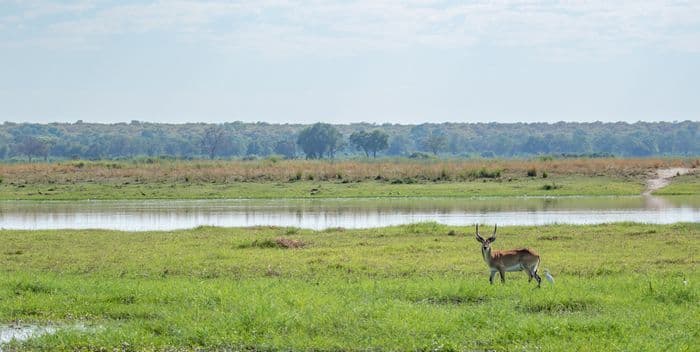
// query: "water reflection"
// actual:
[[347, 213]]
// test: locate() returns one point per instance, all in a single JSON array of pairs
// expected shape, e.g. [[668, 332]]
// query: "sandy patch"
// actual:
[[663, 178]]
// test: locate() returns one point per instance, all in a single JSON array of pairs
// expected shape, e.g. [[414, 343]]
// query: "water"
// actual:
[[347, 213], [22, 332]]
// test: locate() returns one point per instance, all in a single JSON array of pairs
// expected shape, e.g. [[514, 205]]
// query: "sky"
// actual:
[[378, 61]]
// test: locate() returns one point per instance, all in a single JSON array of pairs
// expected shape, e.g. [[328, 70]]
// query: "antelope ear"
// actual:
[[492, 239]]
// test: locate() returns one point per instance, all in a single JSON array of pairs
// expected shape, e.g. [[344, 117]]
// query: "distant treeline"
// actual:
[[80, 140]]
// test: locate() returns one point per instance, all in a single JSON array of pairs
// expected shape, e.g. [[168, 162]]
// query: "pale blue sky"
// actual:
[[349, 61]]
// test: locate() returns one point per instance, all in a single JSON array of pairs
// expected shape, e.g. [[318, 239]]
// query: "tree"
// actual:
[[370, 142], [399, 145], [212, 140], [31, 146], [255, 147], [287, 148], [360, 140], [435, 141], [320, 139]]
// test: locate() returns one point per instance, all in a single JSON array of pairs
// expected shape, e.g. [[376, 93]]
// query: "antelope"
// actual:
[[509, 260]]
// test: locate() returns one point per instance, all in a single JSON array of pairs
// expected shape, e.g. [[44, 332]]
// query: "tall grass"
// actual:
[[403, 170]]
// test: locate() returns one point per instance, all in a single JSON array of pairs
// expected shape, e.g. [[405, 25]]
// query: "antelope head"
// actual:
[[486, 243]]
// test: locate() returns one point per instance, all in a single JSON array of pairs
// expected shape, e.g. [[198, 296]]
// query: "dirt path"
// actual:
[[663, 178]]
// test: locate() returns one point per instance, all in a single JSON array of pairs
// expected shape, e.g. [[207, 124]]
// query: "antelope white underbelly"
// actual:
[[517, 267]]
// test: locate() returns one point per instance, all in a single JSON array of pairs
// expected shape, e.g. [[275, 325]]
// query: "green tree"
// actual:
[[31, 146], [372, 142], [400, 145], [435, 142], [212, 140], [320, 139], [287, 148]]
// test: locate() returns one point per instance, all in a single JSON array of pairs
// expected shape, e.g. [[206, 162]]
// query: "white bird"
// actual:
[[548, 276]]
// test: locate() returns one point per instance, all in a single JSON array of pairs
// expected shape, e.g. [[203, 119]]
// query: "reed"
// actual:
[[155, 170]]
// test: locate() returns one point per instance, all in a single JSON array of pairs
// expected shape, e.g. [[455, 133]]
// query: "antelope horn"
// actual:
[[477, 234]]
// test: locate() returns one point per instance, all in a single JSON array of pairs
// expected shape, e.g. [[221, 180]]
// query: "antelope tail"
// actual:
[[548, 276]]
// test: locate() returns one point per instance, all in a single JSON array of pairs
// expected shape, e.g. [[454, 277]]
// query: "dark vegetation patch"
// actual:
[[291, 231], [32, 287], [567, 305], [454, 299], [289, 243], [551, 186], [592, 272], [673, 261], [484, 173], [554, 238], [280, 242], [672, 293], [131, 313], [641, 233], [122, 299]]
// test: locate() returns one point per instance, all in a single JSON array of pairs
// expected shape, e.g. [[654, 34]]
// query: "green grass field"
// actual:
[[554, 186], [682, 185], [626, 287]]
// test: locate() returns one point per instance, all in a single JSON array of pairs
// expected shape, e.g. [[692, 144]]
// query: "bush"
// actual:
[[274, 158], [544, 174], [548, 187], [484, 173], [279, 242], [419, 155], [532, 172]]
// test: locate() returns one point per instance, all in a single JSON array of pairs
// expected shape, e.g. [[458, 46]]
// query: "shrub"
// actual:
[[484, 173], [419, 155], [280, 242], [548, 187], [544, 174], [532, 172], [289, 243], [274, 158]]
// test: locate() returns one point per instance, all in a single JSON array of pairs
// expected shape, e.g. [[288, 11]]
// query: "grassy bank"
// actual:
[[299, 178], [553, 186], [682, 185], [415, 287]]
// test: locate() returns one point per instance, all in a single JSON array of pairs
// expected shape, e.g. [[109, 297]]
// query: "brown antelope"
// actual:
[[509, 260]]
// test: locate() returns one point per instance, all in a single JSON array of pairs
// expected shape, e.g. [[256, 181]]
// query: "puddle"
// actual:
[[22, 332]]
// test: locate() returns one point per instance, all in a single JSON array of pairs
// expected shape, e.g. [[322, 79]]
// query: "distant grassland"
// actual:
[[682, 185], [272, 178], [416, 287]]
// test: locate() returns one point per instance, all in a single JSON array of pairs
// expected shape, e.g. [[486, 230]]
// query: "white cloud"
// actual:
[[340, 27]]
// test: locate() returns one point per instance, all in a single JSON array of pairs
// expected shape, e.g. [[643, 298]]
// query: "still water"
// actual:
[[347, 213]]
